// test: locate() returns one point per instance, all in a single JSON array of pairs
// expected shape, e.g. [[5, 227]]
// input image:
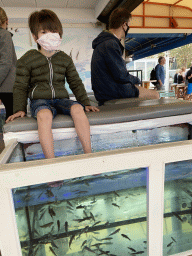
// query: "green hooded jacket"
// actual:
[[40, 77]]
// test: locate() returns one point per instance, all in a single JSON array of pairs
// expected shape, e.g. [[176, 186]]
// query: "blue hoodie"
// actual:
[[109, 76]]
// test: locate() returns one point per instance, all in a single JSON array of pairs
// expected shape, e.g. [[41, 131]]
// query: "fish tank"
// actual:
[[105, 141], [85, 215], [177, 236], [133, 201]]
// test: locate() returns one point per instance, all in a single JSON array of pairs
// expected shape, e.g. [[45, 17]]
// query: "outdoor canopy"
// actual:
[[143, 45]]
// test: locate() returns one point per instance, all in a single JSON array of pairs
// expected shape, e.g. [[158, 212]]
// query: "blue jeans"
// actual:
[[56, 106]]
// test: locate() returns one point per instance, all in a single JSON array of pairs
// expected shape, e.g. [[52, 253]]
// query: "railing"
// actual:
[[137, 71]]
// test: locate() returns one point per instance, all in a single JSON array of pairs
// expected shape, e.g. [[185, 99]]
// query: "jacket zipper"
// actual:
[[33, 91], [51, 78]]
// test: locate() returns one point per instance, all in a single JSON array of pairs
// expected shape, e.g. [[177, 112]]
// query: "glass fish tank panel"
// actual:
[[178, 208], [104, 214], [104, 142]]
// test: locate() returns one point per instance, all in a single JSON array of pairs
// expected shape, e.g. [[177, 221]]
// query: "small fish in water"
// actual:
[[107, 243], [81, 192], [88, 249], [42, 209], [53, 244], [40, 194], [51, 230], [91, 214], [27, 197], [42, 215], [92, 202], [69, 203], [107, 238], [51, 249], [173, 239], [51, 212], [170, 244], [140, 252], [97, 239], [71, 240], [58, 225], [96, 223], [70, 208], [103, 252], [115, 205], [97, 244], [84, 243], [116, 231], [66, 226], [108, 177], [116, 193], [35, 252], [49, 193], [130, 248], [47, 225], [126, 236], [80, 207], [84, 219], [85, 213], [35, 232], [85, 229], [86, 183], [177, 216]]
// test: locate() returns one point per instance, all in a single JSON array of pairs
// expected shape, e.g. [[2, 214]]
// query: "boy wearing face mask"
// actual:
[[109, 76], [41, 76]]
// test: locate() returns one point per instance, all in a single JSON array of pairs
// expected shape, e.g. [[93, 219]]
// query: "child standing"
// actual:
[[40, 76]]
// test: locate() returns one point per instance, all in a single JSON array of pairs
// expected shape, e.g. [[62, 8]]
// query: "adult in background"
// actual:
[[8, 61], [160, 73], [183, 73], [109, 76], [175, 79]]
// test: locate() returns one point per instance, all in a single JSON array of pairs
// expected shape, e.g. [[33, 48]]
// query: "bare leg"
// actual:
[[44, 121], [82, 127], [146, 93]]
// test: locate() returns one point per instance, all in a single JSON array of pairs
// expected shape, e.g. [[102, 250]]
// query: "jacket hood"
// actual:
[[105, 36]]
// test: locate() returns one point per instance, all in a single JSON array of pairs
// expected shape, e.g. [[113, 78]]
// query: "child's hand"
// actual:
[[18, 114], [91, 108]]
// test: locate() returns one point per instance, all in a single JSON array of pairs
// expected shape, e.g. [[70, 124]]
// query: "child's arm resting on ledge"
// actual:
[[18, 114]]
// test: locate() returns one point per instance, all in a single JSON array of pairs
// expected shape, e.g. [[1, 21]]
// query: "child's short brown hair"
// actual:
[[3, 16], [44, 20], [118, 17]]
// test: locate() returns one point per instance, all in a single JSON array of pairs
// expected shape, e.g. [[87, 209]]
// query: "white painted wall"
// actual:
[[66, 15]]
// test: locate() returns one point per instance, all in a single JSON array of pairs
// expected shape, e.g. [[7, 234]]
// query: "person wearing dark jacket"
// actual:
[[109, 76], [8, 61]]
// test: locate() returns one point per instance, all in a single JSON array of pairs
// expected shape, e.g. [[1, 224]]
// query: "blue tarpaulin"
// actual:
[[144, 45]]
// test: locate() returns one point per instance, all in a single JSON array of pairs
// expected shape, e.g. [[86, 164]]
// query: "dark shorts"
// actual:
[[129, 91], [56, 106]]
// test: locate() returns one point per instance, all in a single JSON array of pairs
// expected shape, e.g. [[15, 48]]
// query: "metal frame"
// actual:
[[169, 17], [155, 157]]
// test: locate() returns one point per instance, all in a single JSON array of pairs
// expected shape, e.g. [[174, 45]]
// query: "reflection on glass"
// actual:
[[102, 214], [178, 208], [106, 141]]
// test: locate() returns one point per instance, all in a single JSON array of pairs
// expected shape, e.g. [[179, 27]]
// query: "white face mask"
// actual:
[[50, 41]]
